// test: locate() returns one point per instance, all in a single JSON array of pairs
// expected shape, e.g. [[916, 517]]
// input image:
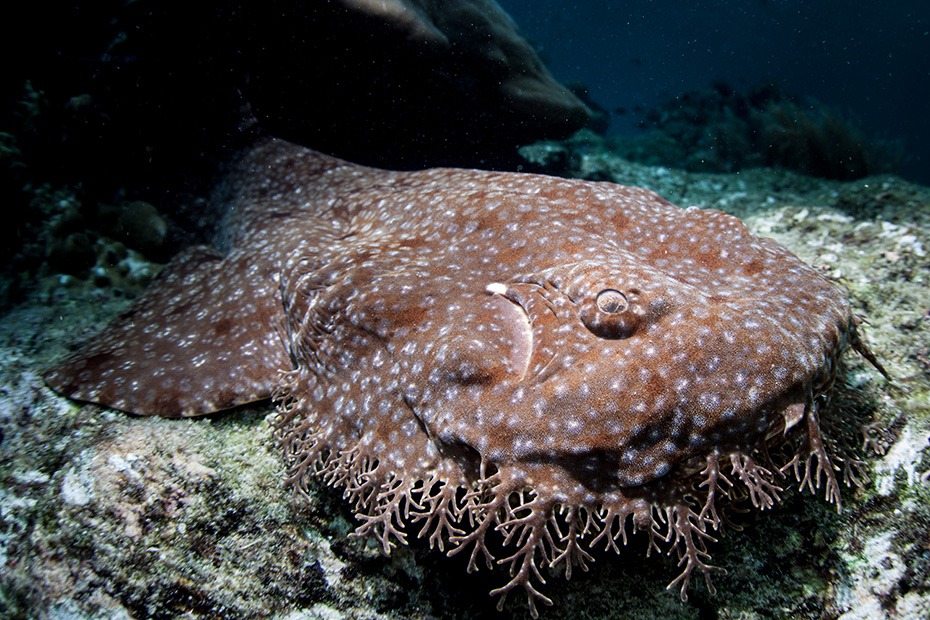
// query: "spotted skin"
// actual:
[[474, 354]]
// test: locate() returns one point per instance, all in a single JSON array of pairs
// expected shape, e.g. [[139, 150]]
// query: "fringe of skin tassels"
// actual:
[[541, 533]]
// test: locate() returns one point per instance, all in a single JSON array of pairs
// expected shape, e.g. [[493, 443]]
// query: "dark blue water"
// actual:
[[869, 58]]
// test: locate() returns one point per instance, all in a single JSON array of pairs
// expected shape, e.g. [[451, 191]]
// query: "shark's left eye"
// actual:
[[611, 314], [612, 301]]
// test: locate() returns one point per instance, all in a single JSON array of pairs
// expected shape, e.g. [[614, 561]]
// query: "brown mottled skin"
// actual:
[[476, 354]]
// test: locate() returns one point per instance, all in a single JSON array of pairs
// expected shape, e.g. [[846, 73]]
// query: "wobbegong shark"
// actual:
[[514, 366]]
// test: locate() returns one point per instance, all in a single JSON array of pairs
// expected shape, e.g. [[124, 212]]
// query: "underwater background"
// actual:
[[807, 120], [867, 62]]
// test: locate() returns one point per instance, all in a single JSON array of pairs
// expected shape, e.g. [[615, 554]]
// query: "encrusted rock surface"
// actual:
[[106, 515]]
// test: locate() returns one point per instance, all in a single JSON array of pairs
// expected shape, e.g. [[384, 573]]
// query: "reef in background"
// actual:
[[719, 129]]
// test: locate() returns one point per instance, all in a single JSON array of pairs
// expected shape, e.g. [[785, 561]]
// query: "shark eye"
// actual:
[[611, 301], [611, 314]]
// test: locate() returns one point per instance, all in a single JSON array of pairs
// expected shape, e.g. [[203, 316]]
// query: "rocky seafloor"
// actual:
[[108, 515]]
